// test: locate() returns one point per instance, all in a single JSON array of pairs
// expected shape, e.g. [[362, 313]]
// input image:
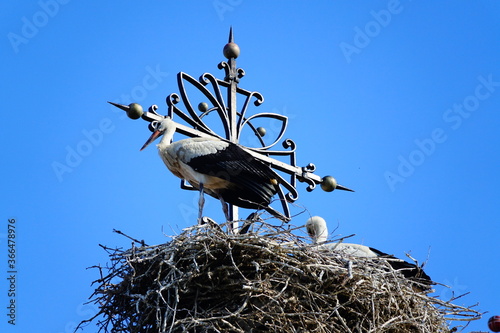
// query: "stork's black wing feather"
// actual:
[[409, 270], [251, 179]]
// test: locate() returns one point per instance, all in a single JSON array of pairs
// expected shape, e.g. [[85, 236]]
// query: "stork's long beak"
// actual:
[[152, 138]]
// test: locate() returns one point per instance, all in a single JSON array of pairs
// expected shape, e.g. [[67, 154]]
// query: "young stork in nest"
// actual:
[[318, 231], [222, 169]]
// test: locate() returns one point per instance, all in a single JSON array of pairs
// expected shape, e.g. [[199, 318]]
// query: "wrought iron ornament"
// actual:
[[233, 121]]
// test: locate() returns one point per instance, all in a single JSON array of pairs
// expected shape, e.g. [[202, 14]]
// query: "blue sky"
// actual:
[[398, 100]]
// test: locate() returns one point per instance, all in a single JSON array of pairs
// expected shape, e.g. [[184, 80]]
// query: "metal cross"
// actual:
[[233, 122]]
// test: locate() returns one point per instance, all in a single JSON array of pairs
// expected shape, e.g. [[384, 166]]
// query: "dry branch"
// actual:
[[207, 281]]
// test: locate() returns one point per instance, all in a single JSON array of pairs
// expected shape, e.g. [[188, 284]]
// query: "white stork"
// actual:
[[219, 168], [318, 231]]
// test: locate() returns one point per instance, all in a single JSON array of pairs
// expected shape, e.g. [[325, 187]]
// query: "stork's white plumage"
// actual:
[[318, 231], [219, 168]]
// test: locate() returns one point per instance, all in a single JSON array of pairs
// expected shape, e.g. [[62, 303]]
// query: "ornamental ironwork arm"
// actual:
[[233, 121]]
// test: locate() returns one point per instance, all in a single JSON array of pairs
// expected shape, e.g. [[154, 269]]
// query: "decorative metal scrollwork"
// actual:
[[234, 121]]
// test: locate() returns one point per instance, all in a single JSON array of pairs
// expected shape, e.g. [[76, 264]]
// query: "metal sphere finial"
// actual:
[[261, 131], [203, 106], [328, 184], [231, 49], [134, 110]]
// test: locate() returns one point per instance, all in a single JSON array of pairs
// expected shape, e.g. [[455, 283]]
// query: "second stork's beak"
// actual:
[[152, 138]]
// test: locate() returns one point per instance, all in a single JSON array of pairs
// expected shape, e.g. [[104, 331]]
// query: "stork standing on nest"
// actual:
[[318, 231], [219, 168]]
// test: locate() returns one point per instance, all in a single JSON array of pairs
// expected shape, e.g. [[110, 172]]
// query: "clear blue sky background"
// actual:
[[397, 100]]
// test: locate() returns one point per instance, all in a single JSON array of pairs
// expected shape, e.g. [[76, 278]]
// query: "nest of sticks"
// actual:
[[269, 280]]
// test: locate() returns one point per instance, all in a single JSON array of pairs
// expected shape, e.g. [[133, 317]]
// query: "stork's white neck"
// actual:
[[322, 234], [168, 135]]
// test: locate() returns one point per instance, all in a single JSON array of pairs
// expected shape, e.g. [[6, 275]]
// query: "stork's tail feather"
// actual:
[[275, 184], [411, 272]]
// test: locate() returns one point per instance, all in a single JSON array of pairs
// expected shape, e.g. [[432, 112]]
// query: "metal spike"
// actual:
[[343, 188], [125, 108]]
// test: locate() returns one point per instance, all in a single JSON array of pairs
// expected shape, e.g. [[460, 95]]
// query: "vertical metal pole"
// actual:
[[232, 114], [233, 136]]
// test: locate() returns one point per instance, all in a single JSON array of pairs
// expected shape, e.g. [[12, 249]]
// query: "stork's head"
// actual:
[[160, 127], [316, 228]]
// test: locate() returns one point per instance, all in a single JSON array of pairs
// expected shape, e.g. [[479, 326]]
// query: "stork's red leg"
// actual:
[[201, 203], [225, 209]]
